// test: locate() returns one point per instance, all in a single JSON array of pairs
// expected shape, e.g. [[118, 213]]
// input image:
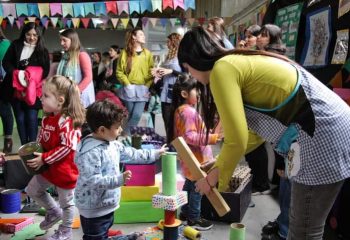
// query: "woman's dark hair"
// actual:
[[254, 30], [183, 83], [275, 34], [200, 49], [40, 46], [116, 48]]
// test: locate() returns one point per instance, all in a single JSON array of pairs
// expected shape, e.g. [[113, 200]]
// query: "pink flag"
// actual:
[[55, 8], [123, 6], [179, 3]]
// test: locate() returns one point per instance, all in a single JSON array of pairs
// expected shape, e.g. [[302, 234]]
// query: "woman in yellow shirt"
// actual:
[[282, 103]]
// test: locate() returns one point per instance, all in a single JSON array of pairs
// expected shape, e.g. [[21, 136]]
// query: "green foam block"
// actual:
[[137, 212], [29, 232]]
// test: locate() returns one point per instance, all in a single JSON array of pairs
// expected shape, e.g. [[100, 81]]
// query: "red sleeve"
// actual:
[[86, 70], [68, 141]]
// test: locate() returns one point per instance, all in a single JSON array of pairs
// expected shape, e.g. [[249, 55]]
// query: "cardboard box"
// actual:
[[142, 175], [238, 201]]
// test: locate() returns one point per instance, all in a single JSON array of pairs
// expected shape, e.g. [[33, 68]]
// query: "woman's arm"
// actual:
[[121, 66], [86, 69]]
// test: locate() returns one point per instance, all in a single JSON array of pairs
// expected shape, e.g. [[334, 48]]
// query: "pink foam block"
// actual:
[[15, 227], [142, 175]]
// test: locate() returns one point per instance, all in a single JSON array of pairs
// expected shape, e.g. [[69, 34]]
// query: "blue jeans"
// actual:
[[6, 117], [27, 121], [284, 201], [135, 110], [193, 208], [309, 208], [96, 228]]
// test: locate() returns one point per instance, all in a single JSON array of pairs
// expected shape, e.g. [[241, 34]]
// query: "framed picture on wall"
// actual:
[[318, 35]]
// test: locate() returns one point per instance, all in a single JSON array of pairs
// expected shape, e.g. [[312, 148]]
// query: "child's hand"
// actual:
[[37, 162], [2, 154], [127, 175], [206, 166], [163, 149]]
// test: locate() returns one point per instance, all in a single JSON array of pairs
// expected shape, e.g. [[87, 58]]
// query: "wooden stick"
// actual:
[[191, 162]]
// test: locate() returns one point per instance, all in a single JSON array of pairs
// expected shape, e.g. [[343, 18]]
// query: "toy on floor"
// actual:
[[12, 225], [29, 232]]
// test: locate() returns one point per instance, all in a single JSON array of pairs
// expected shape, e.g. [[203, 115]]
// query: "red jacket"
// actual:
[[33, 74], [59, 140]]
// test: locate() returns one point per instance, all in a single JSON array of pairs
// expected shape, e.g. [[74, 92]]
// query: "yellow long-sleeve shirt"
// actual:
[[236, 80]]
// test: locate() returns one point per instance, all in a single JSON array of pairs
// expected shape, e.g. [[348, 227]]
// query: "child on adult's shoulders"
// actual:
[[98, 156]]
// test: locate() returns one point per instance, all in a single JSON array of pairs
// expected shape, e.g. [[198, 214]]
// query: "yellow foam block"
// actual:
[[138, 193]]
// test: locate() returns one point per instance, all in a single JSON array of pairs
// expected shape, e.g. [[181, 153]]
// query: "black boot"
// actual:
[[8, 145]]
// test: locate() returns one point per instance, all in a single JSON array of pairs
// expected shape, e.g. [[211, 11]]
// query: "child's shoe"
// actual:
[[62, 233], [200, 224], [52, 216]]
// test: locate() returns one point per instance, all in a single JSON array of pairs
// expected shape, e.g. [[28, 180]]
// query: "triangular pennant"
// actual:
[[168, 3], [3, 24], [1, 18], [78, 9], [31, 19], [33, 9], [134, 6], [201, 20], [67, 9], [18, 23], [134, 21], [191, 21], [144, 21], [100, 8], [54, 21], [179, 3], [69, 23], [146, 5], [157, 5], [111, 7], [125, 22], [11, 19], [190, 4], [9, 9], [172, 21], [123, 6], [85, 22], [76, 22], [89, 8], [55, 8], [21, 22], [1, 11], [153, 21], [45, 21], [163, 22], [21, 9], [64, 21], [114, 22], [96, 21], [44, 9], [60, 23]]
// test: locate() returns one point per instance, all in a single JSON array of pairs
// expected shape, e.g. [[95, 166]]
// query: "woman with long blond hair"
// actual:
[[134, 73], [168, 72], [76, 65]]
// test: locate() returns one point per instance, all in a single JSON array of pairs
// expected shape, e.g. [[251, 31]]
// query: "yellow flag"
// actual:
[[44, 9]]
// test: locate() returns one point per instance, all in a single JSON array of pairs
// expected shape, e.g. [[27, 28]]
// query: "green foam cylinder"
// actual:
[[237, 231], [169, 174]]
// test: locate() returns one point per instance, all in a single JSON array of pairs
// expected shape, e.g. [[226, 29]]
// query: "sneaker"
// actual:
[[200, 224], [270, 228], [265, 192], [274, 236], [62, 233], [51, 218]]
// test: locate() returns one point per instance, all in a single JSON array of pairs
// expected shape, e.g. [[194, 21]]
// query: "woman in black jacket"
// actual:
[[28, 50]]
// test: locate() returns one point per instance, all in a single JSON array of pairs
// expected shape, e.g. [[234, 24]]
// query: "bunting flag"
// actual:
[[54, 21], [134, 6], [45, 22], [144, 21], [125, 22], [11, 19], [190, 4], [163, 22], [89, 8], [172, 21], [44, 9], [100, 8], [135, 21], [179, 3], [64, 21], [111, 7], [31, 19], [21, 9], [153, 21], [96, 21], [33, 9], [69, 23], [3, 24], [85, 22], [157, 5], [167, 3], [60, 23], [1, 18], [1, 11], [78, 9], [76, 22], [55, 8], [123, 6], [146, 5], [114, 22], [9, 9], [67, 9], [20, 22], [190, 21]]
